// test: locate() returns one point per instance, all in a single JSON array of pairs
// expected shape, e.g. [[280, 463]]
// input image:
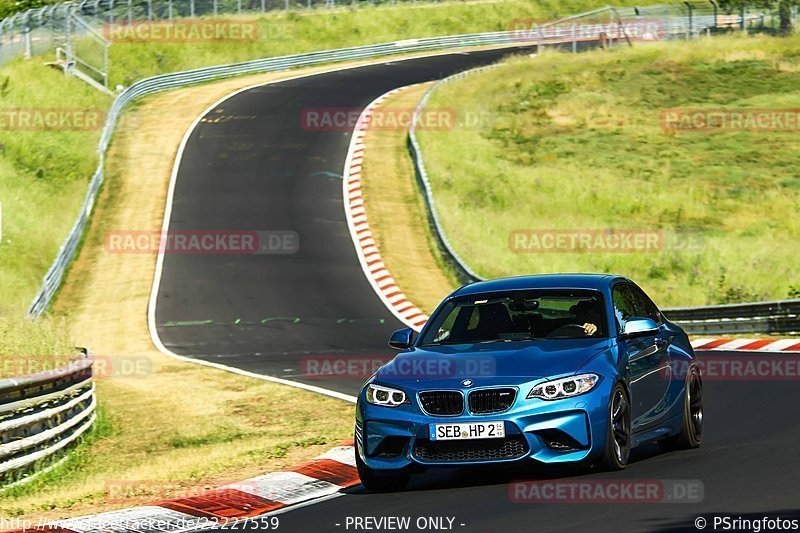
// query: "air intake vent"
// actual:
[[487, 401], [456, 451], [442, 402]]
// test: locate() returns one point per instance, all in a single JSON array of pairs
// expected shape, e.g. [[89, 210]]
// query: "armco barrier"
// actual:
[[42, 414], [66, 253], [675, 23], [779, 317], [763, 317]]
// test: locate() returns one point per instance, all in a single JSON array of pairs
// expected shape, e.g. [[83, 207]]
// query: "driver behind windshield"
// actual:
[[518, 316], [585, 313]]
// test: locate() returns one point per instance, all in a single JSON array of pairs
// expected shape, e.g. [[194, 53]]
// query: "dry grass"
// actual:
[[163, 420], [396, 211]]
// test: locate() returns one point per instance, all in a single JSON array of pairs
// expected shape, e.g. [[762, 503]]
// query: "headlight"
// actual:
[[564, 387], [385, 396]]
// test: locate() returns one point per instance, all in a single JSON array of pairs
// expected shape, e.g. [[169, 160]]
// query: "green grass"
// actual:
[[283, 33], [575, 142], [44, 174]]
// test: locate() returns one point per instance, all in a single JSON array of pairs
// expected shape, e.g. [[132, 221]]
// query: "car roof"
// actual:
[[540, 281]]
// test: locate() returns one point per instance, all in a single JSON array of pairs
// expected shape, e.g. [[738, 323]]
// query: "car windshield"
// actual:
[[518, 316]]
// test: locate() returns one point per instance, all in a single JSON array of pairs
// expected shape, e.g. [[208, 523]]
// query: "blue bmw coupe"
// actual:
[[567, 368]]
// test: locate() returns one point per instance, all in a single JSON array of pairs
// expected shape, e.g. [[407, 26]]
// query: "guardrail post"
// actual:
[[689, 6], [714, 5], [574, 39], [743, 13], [68, 44], [27, 34]]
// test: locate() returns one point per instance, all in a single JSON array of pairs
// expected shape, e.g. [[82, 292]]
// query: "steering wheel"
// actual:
[[567, 331]]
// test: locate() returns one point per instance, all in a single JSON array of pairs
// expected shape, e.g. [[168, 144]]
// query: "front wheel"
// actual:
[[380, 480], [618, 437]]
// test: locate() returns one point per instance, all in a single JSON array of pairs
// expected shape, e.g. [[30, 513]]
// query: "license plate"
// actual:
[[469, 430]]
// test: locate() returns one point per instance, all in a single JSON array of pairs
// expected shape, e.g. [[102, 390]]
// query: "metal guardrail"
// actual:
[[43, 414], [52, 280], [768, 317], [762, 317]]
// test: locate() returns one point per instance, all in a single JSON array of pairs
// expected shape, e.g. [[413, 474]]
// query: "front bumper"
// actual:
[[560, 431]]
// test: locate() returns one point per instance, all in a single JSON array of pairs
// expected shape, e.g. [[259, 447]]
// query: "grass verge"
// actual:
[[396, 210], [44, 171], [167, 427], [575, 142]]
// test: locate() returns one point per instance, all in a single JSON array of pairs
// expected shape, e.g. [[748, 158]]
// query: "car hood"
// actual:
[[490, 363]]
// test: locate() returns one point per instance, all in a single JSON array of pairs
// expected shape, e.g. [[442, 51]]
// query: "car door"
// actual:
[[648, 357]]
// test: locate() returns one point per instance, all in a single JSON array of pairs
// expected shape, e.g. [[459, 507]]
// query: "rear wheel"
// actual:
[[381, 480], [691, 434], [618, 438]]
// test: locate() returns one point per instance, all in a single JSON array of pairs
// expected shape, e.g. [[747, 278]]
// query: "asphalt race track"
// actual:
[[748, 465], [249, 165]]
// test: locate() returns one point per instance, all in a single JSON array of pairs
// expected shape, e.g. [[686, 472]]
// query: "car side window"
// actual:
[[645, 307], [624, 304]]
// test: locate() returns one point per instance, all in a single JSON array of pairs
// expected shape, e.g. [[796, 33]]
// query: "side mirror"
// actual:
[[639, 327], [402, 339]]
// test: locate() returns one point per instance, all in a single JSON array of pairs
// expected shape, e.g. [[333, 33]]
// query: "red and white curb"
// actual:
[[323, 476], [366, 248], [748, 345]]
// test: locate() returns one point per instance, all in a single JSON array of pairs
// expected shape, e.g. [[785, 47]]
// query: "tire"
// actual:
[[691, 433], [379, 480], [618, 437]]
